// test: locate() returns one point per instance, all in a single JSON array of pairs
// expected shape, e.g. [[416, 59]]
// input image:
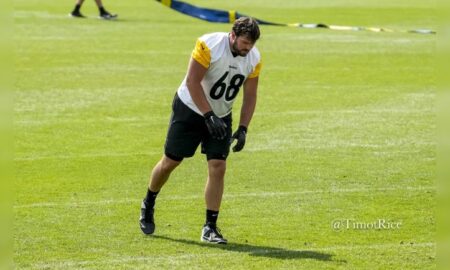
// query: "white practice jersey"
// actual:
[[225, 75]]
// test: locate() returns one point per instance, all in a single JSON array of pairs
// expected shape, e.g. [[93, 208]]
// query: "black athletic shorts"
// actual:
[[187, 130]]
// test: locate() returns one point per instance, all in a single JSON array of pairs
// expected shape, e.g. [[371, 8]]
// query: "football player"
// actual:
[[201, 114]]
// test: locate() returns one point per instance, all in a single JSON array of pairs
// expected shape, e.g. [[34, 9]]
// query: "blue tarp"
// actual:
[[229, 16]]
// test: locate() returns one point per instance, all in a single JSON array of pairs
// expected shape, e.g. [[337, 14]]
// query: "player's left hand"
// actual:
[[239, 135]]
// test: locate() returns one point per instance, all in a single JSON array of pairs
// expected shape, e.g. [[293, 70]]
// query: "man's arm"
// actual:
[[215, 125], [248, 107], [195, 75], [249, 101]]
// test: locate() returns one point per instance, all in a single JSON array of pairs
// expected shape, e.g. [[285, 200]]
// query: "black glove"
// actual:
[[216, 126], [239, 135]]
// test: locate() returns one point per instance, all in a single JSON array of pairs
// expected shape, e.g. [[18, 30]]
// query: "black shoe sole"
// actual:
[[77, 16], [147, 228]]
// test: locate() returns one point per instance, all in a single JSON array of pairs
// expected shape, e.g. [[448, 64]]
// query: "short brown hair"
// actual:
[[246, 26]]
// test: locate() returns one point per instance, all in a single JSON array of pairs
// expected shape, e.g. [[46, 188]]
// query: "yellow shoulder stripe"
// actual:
[[201, 53], [256, 71]]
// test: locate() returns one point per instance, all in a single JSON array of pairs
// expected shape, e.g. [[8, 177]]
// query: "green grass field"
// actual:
[[344, 131]]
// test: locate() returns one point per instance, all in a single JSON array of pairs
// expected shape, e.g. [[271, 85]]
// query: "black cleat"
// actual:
[[146, 221], [108, 16], [211, 234], [76, 14]]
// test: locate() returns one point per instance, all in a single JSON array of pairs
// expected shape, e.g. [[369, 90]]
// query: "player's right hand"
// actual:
[[216, 126]]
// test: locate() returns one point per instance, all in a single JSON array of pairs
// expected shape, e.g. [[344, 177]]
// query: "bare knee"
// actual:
[[167, 165], [217, 167]]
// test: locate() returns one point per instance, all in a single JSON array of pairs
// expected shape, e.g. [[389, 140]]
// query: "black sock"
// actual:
[[150, 198], [77, 8], [102, 10], [211, 217]]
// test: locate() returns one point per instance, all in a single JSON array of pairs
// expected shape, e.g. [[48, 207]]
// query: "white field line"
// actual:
[[154, 120], [226, 253], [375, 246], [276, 148], [37, 14], [362, 111], [89, 155], [227, 196], [263, 148]]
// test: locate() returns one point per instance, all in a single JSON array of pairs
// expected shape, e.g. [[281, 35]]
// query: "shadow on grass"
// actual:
[[258, 251]]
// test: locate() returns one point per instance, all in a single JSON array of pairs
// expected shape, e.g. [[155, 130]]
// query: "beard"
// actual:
[[237, 51]]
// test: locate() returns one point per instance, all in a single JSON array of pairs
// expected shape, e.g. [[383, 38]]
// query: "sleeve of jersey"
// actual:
[[256, 71], [201, 53]]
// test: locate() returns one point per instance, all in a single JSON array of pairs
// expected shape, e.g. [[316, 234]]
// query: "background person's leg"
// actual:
[[98, 2], [103, 13], [76, 11]]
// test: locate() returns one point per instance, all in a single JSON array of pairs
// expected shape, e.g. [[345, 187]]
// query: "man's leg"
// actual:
[[159, 177], [76, 11], [214, 184], [213, 198], [99, 3], [103, 13], [161, 172]]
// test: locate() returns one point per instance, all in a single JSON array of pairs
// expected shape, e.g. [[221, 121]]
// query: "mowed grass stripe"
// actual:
[[150, 121], [227, 253], [230, 196]]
